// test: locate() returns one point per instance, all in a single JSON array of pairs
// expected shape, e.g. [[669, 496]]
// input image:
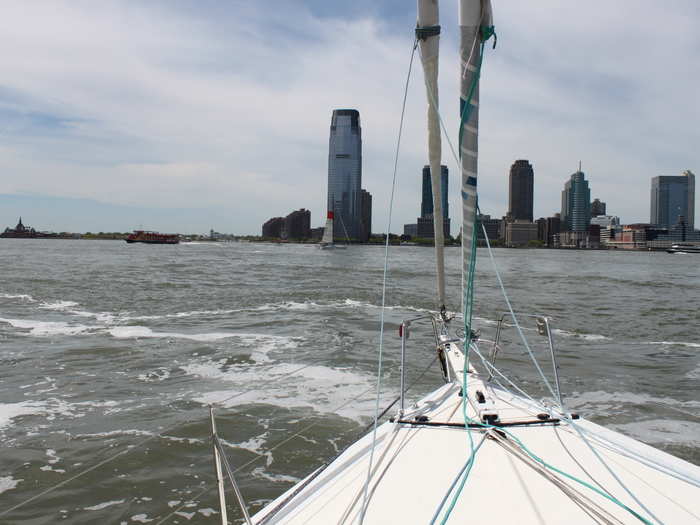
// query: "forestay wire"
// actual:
[[384, 279]]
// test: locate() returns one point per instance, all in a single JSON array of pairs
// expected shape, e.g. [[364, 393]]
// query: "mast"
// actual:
[[476, 26], [428, 35]]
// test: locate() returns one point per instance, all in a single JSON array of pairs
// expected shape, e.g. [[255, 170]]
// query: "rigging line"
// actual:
[[573, 458], [615, 448], [549, 386], [212, 486], [386, 267], [457, 478], [129, 448], [532, 455], [512, 313]]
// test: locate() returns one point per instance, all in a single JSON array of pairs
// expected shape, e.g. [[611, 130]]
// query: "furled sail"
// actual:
[[328, 230], [476, 26], [428, 35]]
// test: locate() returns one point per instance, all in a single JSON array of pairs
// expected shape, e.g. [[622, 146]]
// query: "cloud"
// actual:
[[226, 107]]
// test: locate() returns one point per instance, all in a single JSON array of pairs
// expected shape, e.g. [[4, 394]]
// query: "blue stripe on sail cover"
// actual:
[[471, 181]]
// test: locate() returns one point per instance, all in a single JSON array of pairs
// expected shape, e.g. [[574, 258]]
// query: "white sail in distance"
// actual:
[[328, 230], [473, 16], [428, 34]]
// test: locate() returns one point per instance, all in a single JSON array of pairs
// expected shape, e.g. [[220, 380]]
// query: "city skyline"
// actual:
[[185, 126]]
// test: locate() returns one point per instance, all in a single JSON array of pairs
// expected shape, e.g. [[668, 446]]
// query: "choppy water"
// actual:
[[110, 354]]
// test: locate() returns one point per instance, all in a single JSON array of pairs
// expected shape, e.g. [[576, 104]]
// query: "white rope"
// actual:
[[384, 278]]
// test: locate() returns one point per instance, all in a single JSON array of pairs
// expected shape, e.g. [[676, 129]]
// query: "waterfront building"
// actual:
[[520, 233], [426, 205], [597, 208], [576, 204], [426, 230], [547, 229], [297, 225], [410, 230], [605, 221], [520, 191], [365, 215], [345, 173], [673, 197], [273, 228], [26, 232], [492, 226]]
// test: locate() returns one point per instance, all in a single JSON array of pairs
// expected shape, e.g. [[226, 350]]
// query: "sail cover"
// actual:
[[428, 35], [476, 26]]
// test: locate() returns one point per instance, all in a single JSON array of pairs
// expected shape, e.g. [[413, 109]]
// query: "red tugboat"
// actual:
[[153, 237]]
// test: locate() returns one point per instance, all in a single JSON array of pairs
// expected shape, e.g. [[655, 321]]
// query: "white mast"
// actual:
[[428, 34], [473, 16]]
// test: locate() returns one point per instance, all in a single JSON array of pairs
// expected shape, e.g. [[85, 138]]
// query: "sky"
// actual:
[[188, 115]]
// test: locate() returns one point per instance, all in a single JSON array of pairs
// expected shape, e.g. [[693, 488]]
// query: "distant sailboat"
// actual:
[[327, 241]]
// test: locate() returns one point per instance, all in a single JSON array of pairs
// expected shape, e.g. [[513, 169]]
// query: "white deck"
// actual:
[[415, 465]]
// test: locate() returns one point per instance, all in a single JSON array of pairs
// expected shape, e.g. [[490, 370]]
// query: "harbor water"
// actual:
[[111, 354]]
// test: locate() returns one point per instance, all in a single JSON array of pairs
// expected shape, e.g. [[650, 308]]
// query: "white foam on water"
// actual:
[[140, 518], [8, 483], [49, 468], [321, 388], [135, 432], [174, 502], [159, 374], [673, 343], [58, 305], [259, 472], [104, 505], [9, 411], [187, 515], [47, 328], [53, 458], [603, 400], [49, 408], [207, 512], [22, 296], [143, 332], [663, 431], [585, 337]]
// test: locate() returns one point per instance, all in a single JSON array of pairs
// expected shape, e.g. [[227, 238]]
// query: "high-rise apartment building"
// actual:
[[597, 208], [521, 184], [345, 173], [673, 197], [576, 204], [426, 205]]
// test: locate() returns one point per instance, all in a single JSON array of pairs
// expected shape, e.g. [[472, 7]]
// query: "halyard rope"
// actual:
[[384, 278]]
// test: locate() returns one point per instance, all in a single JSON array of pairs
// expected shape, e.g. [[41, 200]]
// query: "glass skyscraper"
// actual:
[[426, 205], [345, 173], [673, 197], [576, 204]]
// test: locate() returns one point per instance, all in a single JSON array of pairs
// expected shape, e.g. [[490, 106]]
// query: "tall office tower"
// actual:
[[345, 173], [426, 205], [673, 197], [597, 208], [520, 191], [365, 215], [576, 204]]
